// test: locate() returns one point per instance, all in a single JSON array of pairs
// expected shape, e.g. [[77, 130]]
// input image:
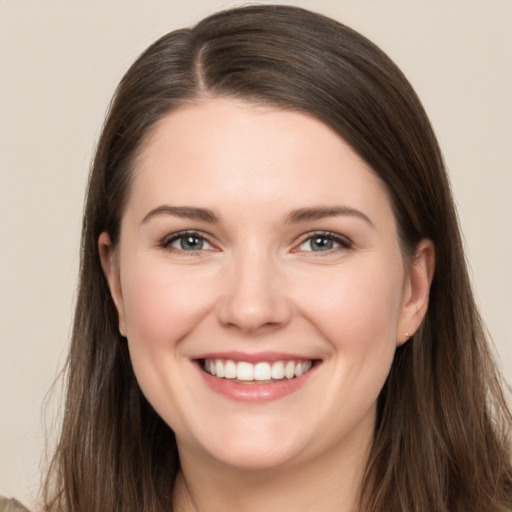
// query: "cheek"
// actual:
[[163, 304], [356, 307], [357, 314]]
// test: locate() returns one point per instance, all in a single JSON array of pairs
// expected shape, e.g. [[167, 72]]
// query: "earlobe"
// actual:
[[416, 297], [110, 267]]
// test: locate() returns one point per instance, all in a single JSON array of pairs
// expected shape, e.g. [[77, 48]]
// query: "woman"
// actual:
[[274, 310]]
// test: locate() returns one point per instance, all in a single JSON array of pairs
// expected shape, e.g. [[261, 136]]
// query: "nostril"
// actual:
[[254, 308], [254, 315]]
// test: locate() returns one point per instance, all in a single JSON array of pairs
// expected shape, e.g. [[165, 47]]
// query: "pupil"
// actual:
[[321, 243], [191, 242]]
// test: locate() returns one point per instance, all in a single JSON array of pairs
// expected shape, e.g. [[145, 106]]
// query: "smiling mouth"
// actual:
[[262, 372]]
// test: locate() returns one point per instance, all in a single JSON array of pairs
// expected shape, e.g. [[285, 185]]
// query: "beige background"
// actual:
[[59, 64]]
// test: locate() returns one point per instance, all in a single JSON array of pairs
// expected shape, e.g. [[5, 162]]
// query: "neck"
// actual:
[[329, 483]]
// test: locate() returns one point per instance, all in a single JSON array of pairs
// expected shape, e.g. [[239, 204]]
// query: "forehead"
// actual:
[[228, 152]]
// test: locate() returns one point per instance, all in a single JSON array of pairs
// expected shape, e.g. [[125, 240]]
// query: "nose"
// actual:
[[254, 299]]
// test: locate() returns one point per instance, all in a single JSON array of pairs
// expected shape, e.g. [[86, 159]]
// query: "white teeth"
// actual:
[[289, 370], [302, 368], [244, 371], [278, 370], [230, 370], [262, 371], [219, 368]]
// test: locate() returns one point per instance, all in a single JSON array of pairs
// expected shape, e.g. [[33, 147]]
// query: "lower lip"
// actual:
[[255, 392]]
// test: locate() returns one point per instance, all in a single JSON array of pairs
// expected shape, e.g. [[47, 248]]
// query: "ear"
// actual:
[[110, 265], [420, 273]]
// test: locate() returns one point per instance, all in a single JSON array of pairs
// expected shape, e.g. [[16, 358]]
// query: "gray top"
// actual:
[[11, 505]]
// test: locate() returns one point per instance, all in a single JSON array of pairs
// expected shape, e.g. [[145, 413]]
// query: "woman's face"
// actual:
[[255, 246]]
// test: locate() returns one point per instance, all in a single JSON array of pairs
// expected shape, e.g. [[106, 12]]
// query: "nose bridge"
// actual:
[[254, 297]]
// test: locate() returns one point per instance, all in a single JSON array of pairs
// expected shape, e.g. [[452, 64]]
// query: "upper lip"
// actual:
[[255, 357]]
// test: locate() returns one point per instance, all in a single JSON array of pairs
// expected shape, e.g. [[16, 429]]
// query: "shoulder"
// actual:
[[11, 505]]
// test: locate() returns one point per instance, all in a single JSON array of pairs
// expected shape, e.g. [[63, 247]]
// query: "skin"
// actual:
[[259, 284]]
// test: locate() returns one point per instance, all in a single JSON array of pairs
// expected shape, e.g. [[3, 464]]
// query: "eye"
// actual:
[[188, 241], [323, 242]]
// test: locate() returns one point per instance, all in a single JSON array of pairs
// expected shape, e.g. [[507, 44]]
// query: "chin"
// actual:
[[255, 447]]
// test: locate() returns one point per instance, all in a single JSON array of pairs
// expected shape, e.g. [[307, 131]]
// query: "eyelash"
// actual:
[[343, 242], [167, 242]]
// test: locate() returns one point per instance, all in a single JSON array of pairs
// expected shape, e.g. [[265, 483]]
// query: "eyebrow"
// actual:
[[311, 214], [297, 216], [187, 212]]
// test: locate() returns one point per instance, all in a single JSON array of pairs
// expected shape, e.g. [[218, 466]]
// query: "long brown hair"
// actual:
[[441, 440]]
